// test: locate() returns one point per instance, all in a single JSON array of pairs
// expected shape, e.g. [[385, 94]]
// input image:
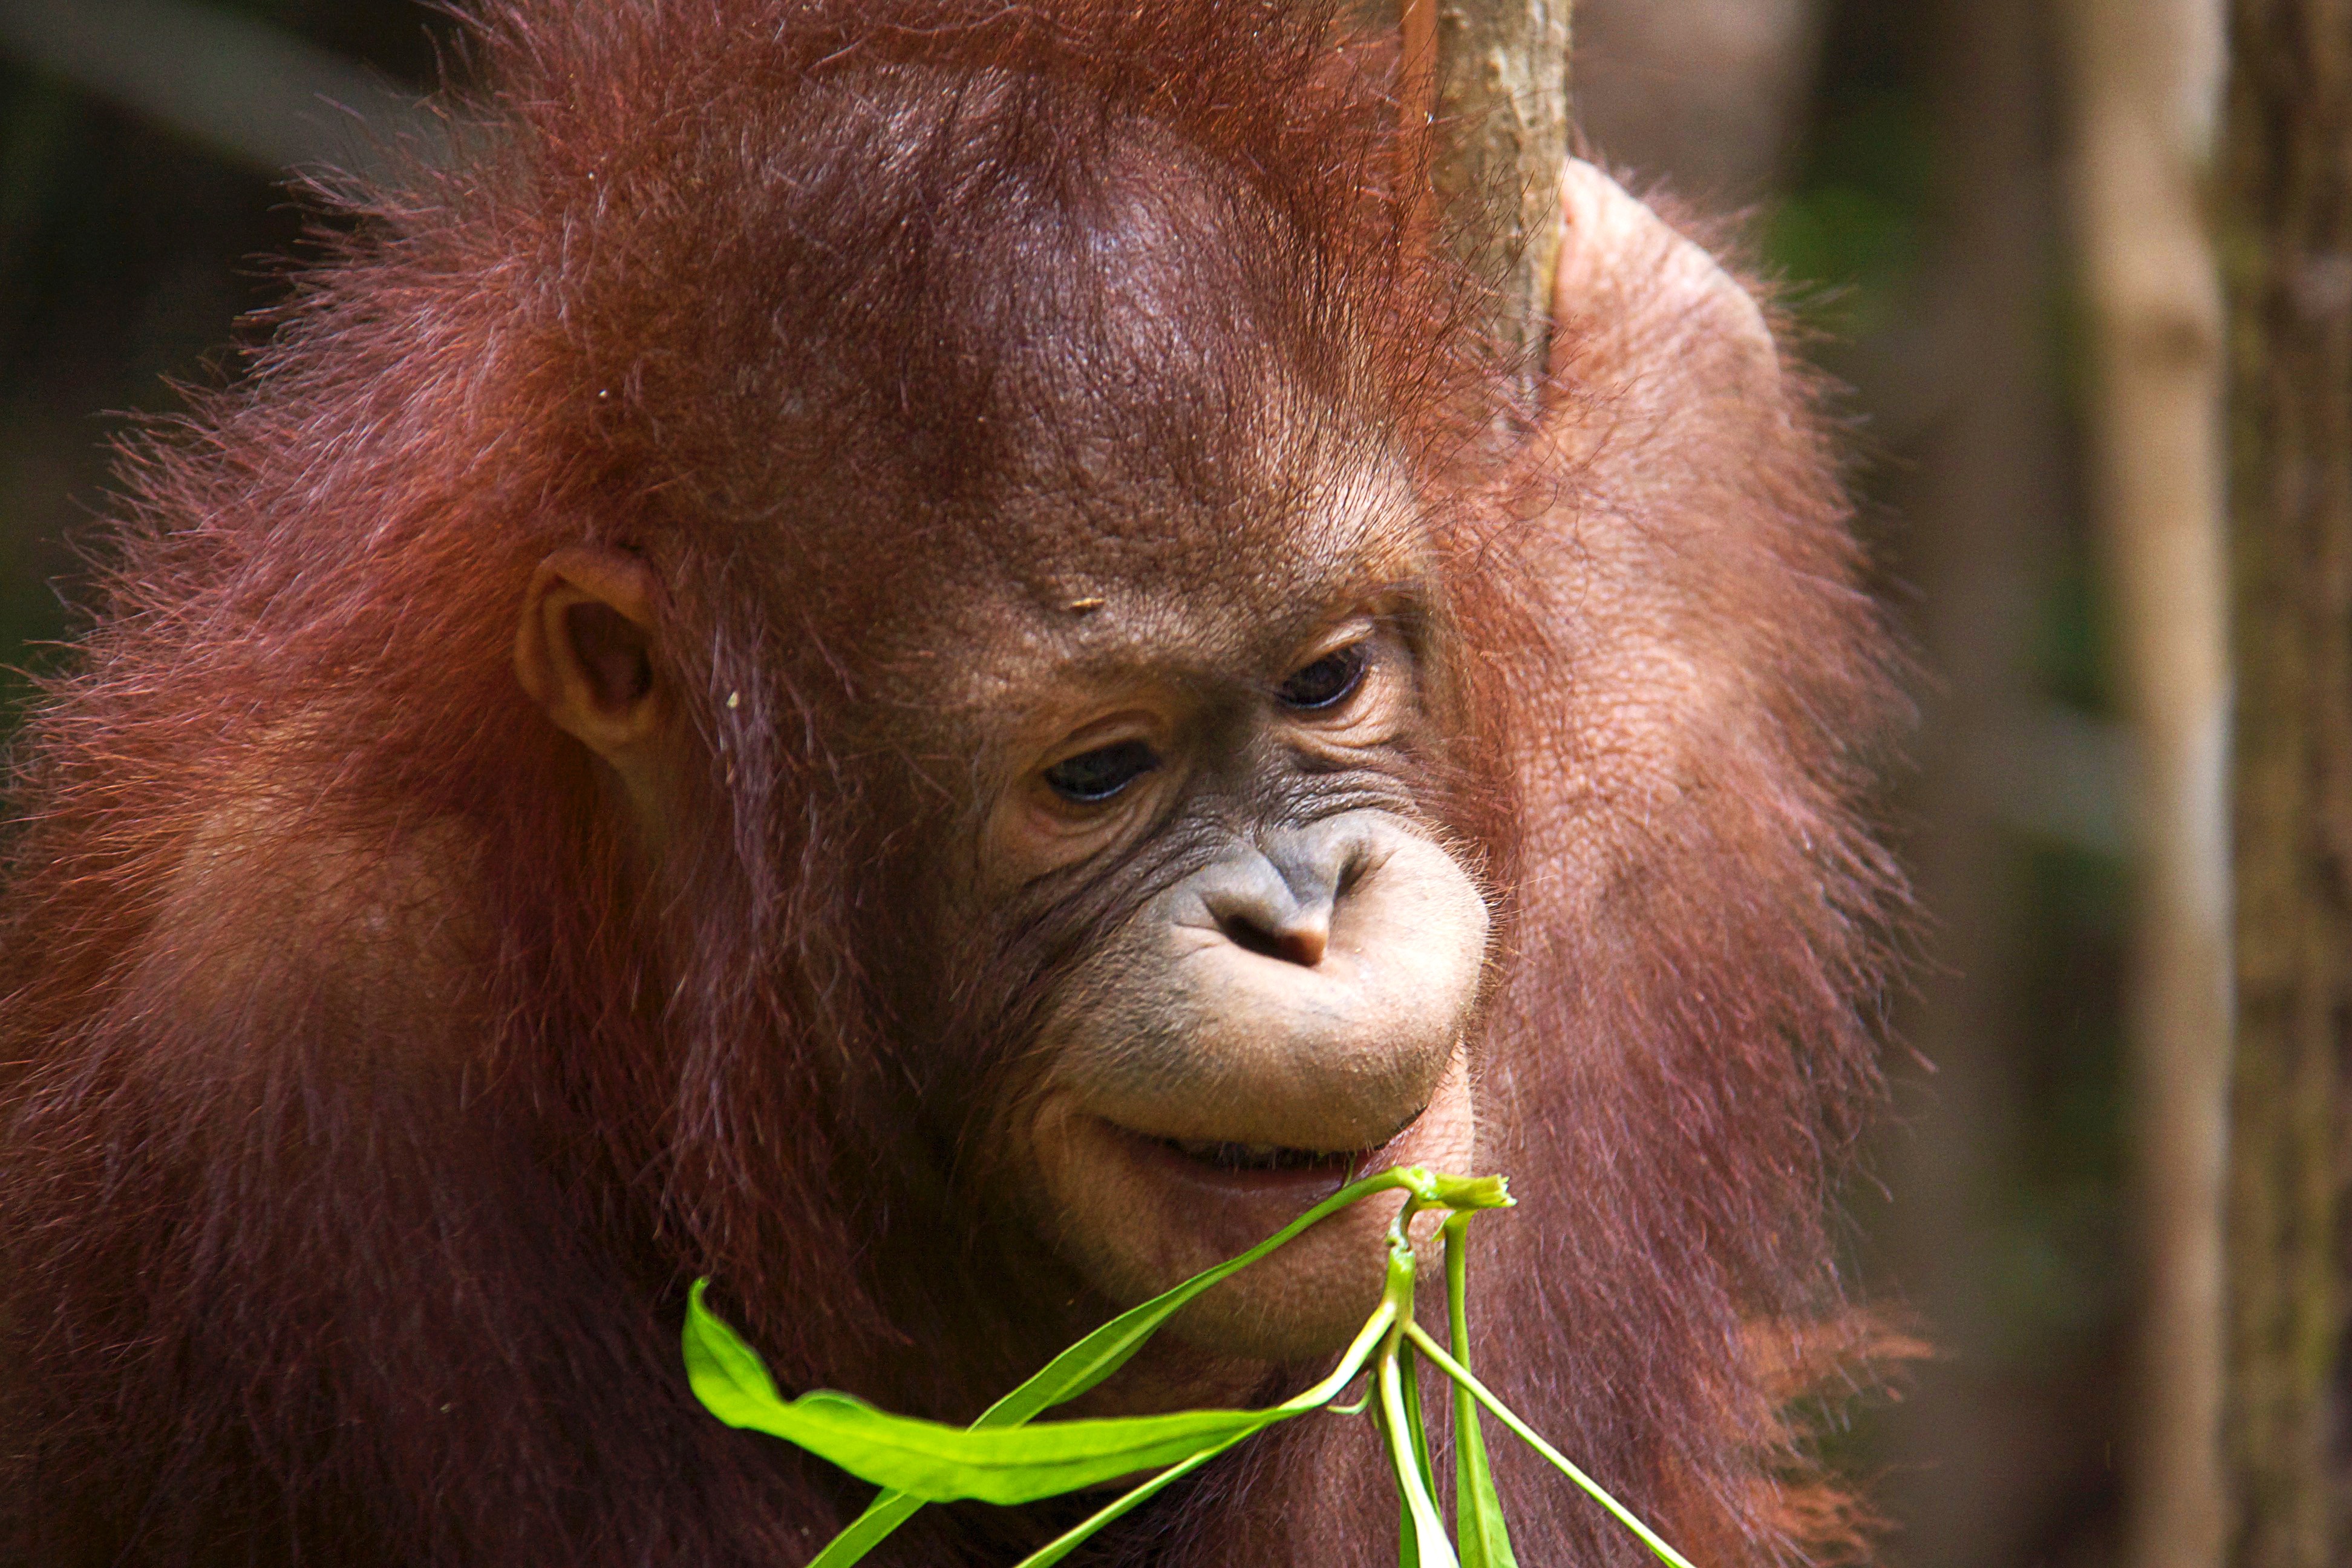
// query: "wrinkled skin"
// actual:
[[1285, 990]]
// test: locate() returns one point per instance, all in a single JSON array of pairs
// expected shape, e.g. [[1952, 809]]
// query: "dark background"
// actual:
[[1899, 165]]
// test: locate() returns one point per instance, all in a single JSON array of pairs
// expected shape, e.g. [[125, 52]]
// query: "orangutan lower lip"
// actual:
[[1223, 1171], [1146, 1206]]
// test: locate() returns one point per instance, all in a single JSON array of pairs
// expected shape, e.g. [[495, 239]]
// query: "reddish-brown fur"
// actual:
[[362, 1118]]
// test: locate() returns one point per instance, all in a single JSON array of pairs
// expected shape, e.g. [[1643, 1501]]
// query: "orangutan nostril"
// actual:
[[1301, 942]]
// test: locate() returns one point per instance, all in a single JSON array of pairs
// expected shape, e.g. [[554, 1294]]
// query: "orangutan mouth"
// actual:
[[1229, 1155], [1263, 1156]]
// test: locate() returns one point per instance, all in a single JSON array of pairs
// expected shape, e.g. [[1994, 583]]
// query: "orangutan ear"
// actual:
[[1622, 266], [585, 651]]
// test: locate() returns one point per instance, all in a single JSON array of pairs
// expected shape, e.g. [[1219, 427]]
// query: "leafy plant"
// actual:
[[1001, 1458]]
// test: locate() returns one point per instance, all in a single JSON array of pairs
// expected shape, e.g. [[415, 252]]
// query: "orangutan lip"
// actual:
[[1267, 1178], [1259, 1156], [1244, 1159]]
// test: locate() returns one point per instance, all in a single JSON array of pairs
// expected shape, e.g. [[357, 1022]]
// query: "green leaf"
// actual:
[[725, 1373], [1417, 1436], [867, 1531], [1421, 1544], [1528, 1435], [1485, 1541], [1368, 1338], [1479, 1530], [1408, 1536], [1085, 1364], [728, 1377], [1416, 1424], [1008, 1464]]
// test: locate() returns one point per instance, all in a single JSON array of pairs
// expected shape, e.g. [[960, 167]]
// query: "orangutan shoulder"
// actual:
[[279, 903]]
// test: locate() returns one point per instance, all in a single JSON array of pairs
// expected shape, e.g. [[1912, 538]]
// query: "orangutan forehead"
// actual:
[[1152, 326], [1127, 330], [1302, 543], [1161, 397], [1175, 597], [1159, 407]]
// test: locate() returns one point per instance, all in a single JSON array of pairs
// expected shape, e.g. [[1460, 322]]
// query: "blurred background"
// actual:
[[1904, 161], [1900, 165]]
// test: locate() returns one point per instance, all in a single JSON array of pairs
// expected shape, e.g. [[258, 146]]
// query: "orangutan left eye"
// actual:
[[1096, 775], [1328, 682]]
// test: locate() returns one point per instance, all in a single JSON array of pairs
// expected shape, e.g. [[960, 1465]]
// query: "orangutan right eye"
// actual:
[[1093, 776], [1325, 683]]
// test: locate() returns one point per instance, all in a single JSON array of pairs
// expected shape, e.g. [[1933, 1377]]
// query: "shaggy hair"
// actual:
[[362, 1118]]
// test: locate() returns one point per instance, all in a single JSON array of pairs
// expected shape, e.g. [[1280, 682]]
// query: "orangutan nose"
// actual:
[[1308, 989], [1277, 901]]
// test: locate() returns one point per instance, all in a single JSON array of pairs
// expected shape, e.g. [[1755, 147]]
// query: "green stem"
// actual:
[[1375, 1334], [1403, 1268], [1528, 1435], [1432, 1550]]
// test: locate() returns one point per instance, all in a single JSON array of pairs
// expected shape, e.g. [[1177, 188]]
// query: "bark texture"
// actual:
[[1496, 75], [2291, 170], [2145, 79]]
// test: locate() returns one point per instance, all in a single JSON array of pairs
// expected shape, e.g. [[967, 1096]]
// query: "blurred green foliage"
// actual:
[[2045, 1280], [1846, 231], [1847, 237]]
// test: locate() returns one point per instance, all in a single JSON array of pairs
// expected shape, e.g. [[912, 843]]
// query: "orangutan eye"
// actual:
[[1327, 682], [1099, 775]]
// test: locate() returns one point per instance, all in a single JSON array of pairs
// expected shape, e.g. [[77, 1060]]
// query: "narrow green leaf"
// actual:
[[1078, 1368], [1485, 1540], [1352, 1361], [1478, 1528], [867, 1531], [1000, 1465], [1416, 1424], [1528, 1435], [1425, 1544], [1408, 1535]]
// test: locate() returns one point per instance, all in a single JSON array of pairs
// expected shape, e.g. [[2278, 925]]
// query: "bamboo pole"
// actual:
[[2146, 86]]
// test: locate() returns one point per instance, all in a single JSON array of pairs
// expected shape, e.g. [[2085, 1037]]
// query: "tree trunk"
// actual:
[[2146, 73], [1975, 1445], [1495, 75], [2291, 172]]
